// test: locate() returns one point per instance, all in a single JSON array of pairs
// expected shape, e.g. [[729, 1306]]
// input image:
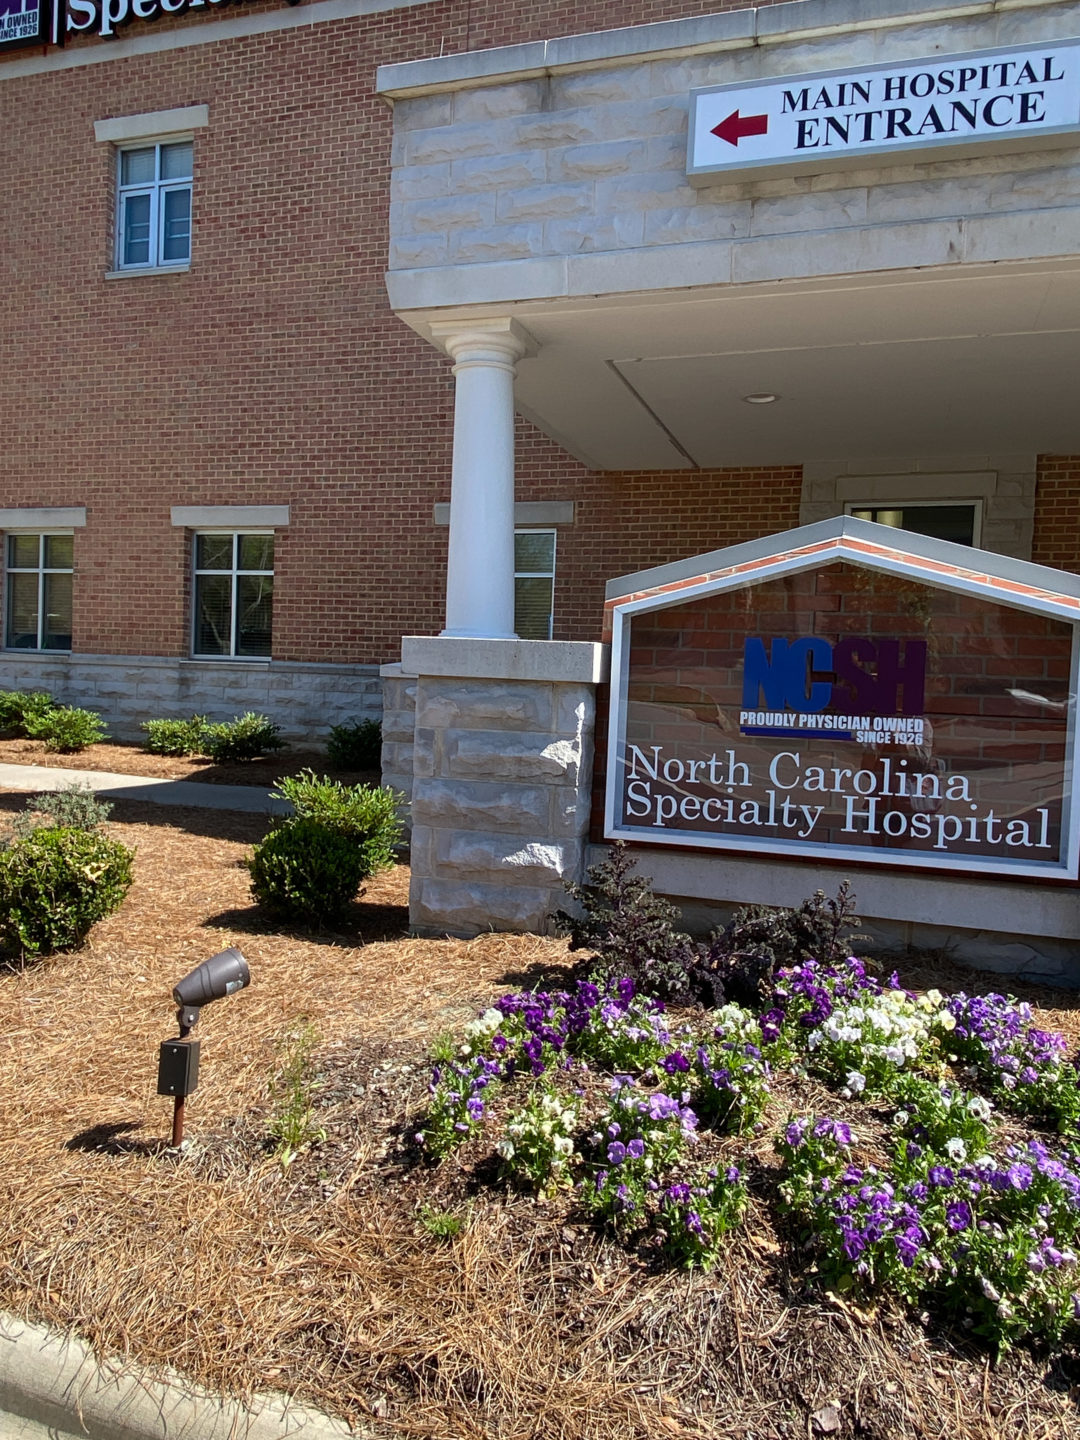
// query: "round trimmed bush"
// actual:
[[55, 884], [356, 746], [66, 729], [305, 870]]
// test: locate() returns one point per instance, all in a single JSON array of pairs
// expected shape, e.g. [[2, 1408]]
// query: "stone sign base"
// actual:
[[502, 750]]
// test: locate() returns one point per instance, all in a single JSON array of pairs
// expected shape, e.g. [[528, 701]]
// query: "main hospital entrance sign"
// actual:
[[1004, 100], [850, 700]]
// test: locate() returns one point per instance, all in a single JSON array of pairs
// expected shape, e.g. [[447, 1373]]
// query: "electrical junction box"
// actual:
[[178, 1067]]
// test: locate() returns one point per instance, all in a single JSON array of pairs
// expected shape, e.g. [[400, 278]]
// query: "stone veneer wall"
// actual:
[[304, 699], [502, 771], [398, 727]]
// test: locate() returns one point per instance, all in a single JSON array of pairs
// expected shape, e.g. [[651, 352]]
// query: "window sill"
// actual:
[[134, 271]]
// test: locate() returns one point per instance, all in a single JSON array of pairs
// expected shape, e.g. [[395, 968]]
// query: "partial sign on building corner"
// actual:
[[850, 701], [24, 22], [990, 101]]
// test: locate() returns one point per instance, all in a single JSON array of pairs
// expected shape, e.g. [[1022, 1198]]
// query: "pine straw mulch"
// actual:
[[119, 759], [321, 1280]]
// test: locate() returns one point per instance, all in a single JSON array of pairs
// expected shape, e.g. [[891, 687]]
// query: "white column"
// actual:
[[480, 567]]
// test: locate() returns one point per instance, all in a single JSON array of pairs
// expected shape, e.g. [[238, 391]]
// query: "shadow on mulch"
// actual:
[[115, 1139], [543, 976], [361, 924]]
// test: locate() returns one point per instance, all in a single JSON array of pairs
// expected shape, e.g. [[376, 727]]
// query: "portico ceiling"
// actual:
[[928, 363]]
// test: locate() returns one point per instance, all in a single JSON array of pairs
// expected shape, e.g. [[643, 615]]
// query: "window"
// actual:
[[153, 226], [534, 583], [234, 594], [39, 573], [959, 523]]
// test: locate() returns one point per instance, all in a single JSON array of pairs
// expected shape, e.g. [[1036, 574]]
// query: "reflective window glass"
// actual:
[[56, 627], [213, 552], [23, 551], [213, 615], [22, 612], [256, 552], [176, 161], [136, 229], [176, 225], [254, 603], [532, 608], [137, 166], [59, 552]]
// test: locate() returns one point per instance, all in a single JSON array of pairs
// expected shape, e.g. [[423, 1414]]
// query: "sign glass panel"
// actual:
[[849, 711]]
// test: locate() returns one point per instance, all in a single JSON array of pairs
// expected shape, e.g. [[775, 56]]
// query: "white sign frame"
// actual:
[[616, 828], [758, 153]]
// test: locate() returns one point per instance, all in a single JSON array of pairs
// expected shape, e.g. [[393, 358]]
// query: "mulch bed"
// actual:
[[111, 755], [321, 1279]]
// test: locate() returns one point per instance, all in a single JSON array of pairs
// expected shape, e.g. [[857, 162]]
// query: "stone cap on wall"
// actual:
[[573, 662], [730, 29]]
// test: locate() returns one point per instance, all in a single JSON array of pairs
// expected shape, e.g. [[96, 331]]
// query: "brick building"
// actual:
[[249, 245]]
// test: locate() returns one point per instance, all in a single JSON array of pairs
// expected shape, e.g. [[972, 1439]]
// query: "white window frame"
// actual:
[[156, 189], [538, 574], [41, 570], [971, 502], [234, 572]]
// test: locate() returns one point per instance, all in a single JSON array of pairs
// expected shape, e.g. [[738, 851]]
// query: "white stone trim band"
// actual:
[[526, 512], [233, 517], [152, 124], [44, 517]]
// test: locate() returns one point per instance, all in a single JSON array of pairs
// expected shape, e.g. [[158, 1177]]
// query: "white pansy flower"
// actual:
[[956, 1149]]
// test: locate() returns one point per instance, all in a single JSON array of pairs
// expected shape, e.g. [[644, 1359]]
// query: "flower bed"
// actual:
[[957, 1192]]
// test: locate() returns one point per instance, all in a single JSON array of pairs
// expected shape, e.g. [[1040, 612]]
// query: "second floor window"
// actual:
[[153, 227]]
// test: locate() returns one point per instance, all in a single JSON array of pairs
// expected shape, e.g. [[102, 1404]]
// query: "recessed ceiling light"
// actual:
[[761, 397]]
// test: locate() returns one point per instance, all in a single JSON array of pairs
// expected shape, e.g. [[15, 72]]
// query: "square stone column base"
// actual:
[[501, 780]]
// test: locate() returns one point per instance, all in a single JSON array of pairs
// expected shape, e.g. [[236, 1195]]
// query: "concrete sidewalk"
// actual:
[[250, 798]]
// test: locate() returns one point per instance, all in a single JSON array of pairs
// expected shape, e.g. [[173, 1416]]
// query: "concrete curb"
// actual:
[[52, 1388]]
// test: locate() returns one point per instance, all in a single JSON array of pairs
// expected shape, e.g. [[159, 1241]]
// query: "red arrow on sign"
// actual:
[[737, 126]]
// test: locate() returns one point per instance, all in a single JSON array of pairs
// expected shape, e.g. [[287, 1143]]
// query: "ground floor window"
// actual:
[[534, 583], [234, 594], [38, 591], [959, 523]]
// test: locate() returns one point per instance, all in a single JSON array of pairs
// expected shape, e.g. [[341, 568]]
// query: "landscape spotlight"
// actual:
[[178, 1060]]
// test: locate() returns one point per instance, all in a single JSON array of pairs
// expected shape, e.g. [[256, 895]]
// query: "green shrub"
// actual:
[[368, 814], [357, 746], [741, 961], [244, 738], [305, 870], [176, 737], [19, 706], [66, 729], [55, 884], [631, 931], [72, 807]]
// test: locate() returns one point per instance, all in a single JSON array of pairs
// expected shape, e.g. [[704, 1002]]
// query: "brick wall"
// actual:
[[631, 520], [274, 371], [1057, 512]]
